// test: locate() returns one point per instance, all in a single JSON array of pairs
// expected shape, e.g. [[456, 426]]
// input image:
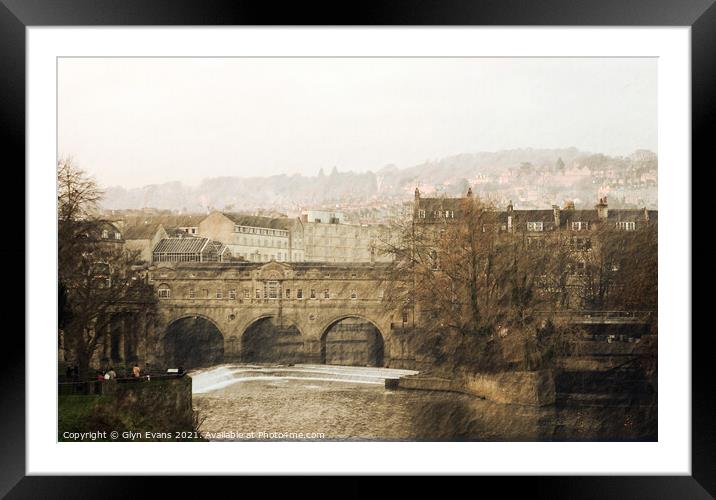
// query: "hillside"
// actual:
[[530, 177]]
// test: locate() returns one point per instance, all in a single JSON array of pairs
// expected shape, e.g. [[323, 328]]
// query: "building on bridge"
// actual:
[[143, 232], [318, 236], [190, 250], [334, 242], [256, 238], [328, 238]]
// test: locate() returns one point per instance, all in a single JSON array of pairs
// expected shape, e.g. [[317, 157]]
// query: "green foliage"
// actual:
[[121, 412]]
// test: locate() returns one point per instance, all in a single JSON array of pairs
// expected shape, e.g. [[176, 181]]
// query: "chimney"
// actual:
[[555, 213], [509, 216], [469, 192], [417, 194], [646, 215], [602, 208]]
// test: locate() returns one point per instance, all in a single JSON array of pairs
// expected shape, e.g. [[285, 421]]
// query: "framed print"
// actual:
[[416, 241]]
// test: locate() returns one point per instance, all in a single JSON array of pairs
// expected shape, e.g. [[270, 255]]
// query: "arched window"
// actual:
[[164, 291]]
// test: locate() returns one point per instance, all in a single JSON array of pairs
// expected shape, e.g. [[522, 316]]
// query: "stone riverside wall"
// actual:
[[525, 388]]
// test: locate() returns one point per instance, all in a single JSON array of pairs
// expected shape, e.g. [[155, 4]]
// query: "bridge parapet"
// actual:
[[614, 317]]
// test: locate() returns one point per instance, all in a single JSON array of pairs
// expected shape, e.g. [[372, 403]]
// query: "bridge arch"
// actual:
[[352, 339], [192, 341], [270, 338]]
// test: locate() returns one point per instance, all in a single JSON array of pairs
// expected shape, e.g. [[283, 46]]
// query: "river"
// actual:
[[328, 403]]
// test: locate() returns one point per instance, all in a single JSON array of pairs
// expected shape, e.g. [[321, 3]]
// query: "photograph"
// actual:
[[337, 249]]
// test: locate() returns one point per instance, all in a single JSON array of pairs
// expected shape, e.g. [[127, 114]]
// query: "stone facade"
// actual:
[[342, 243], [523, 388], [311, 298], [144, 241], [255, 238], [285, 239]]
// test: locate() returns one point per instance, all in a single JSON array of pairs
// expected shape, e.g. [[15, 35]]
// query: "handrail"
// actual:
[[142, 378], [602, 314]]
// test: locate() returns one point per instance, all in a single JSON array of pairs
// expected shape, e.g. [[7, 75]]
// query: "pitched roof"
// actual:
[[546, 217], [533, 215], [92, 229], [260, 221], [180, 245], [434, 204], [628, 215], [141, 231], [168, 221], [572, 215]]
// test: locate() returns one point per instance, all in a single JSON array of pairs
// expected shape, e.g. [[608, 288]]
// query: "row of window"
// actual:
[[271, 291], [580, 226], [438, 214], [626, 226], [262, 242], [257, 230], [105, 235], [576, 242], [257, 257], [536, 226]]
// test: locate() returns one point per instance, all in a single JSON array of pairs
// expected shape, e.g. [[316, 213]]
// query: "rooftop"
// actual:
[[181, 245], [284, 223], [141, 230]]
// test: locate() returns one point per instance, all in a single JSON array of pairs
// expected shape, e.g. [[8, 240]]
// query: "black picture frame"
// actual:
[[16, 15]]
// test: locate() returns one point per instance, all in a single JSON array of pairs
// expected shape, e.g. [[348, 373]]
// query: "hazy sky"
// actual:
[[132, 122]]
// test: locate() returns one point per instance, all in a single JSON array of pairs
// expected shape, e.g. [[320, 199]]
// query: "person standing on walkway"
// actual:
[[136, 372]]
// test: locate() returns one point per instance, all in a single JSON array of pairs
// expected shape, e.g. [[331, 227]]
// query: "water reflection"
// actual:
[[352, 404]]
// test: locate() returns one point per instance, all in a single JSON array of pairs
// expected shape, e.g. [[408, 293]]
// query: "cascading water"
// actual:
[[212, 379], [350, 403]]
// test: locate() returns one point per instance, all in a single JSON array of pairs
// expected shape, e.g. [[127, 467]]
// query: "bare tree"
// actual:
[[77, 193], [620, 270], [472, 282], [96, 273]]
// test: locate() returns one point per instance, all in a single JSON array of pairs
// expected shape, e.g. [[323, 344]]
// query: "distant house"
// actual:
[[143, 237], [190, 250], [536, 222], [187, 224], [436, 209], [95, 231]]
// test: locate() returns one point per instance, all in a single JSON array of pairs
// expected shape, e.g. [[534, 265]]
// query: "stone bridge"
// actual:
[[275, 312], [209, 313]]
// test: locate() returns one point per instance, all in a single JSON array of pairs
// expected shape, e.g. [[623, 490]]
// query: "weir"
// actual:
[[212, 379]]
